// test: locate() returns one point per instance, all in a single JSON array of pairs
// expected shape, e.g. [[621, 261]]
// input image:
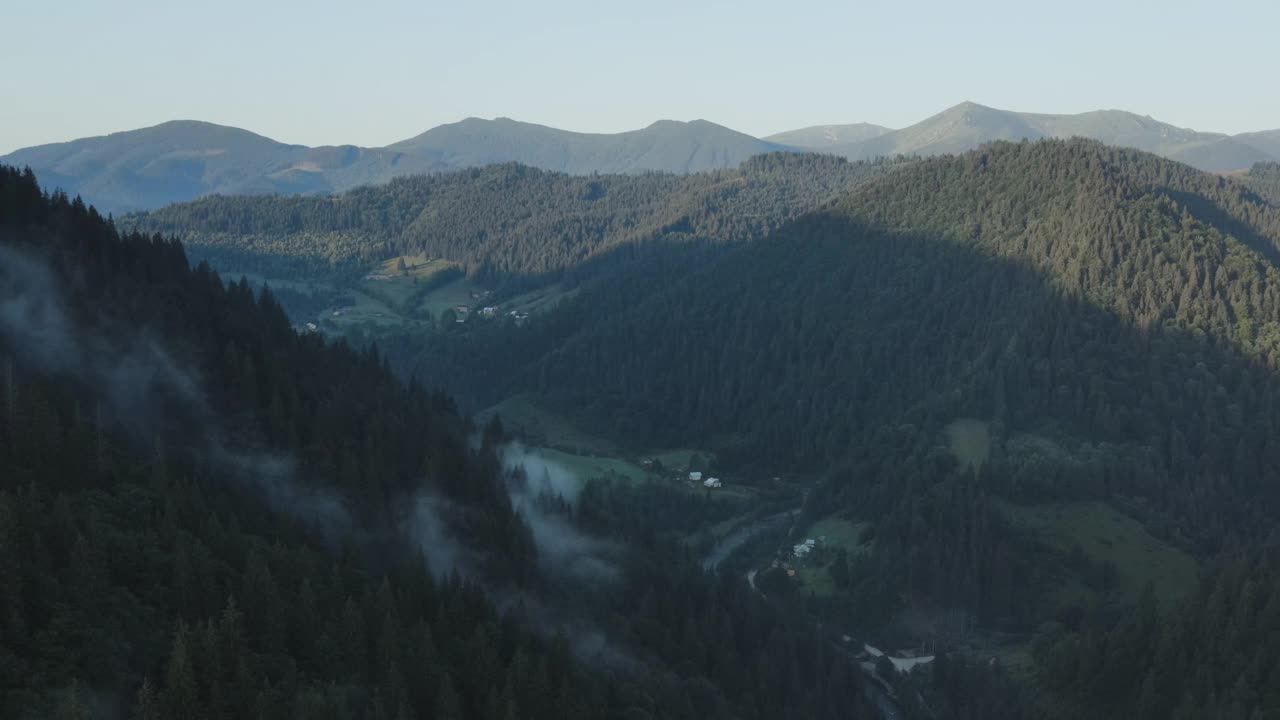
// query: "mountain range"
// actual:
[[1030, 388], [1024, 394], [183, 160], [968, 125]]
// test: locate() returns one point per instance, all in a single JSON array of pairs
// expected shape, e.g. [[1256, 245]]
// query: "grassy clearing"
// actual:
[[1106, 535], [396, 287], [457, 292], [539, 300], [543, 427], [587, 467], [367, 309], [731, 491], [678, 460], [970, 442], [816, 580], [841, 533], [837, 533], [419, 266], [1016, 659]]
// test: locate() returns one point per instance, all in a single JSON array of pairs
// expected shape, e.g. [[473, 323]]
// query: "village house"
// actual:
[[711, 483], [803, 549], [695, 477], [904, 662]]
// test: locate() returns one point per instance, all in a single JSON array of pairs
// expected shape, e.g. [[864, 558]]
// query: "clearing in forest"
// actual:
[[970, 441]]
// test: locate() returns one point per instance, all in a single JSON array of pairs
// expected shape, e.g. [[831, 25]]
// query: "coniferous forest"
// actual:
[[205, 514], [209, 514]]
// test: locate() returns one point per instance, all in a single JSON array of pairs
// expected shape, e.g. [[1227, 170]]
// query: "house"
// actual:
[[311, 327], [801, 550], [695, 477], [901, 664], [489, 311], [711, 483]]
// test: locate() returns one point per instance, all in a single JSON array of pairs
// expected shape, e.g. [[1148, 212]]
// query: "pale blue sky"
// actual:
[[371, 72]]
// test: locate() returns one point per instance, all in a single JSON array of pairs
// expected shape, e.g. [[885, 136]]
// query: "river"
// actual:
[[734, 540], [875, 689]]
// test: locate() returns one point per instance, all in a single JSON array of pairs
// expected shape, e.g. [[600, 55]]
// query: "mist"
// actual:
[[33, 322], [425, 528], [540, 489], [544, 476], [138, 385]]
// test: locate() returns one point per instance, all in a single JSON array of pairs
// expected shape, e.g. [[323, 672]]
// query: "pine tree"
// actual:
[[148, 705], [180, 698]]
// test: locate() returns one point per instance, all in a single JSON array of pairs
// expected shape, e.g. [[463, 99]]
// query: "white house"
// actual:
[[801, 550], [711, 482], [695, 477]]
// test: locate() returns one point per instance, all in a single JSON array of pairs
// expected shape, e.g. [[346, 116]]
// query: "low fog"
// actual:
[[537, 486], [137, 384]]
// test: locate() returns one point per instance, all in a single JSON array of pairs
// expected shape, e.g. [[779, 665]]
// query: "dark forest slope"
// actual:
[[1111, 317], [203, 514], [511, 221], [1142, 244], [1105, 299]]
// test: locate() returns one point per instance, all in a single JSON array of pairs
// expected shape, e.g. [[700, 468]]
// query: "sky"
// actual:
[[376, 71]]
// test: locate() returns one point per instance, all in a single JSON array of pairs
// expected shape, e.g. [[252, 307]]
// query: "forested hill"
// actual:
[[172, 458], [206, 515], [1264, 179], [1107, 300], [1150, 248], [1111, 320], [511, 220]]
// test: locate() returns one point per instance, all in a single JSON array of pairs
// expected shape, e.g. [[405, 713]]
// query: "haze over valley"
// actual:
[[936, 412], [186, 159]]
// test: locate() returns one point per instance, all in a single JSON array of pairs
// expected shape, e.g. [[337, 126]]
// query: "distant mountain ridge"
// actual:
[[183, 160], [821, 137], [665, 146], [968, 125]]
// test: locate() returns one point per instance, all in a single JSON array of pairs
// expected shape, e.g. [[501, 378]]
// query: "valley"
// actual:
[[960, 452], [643, 361]]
